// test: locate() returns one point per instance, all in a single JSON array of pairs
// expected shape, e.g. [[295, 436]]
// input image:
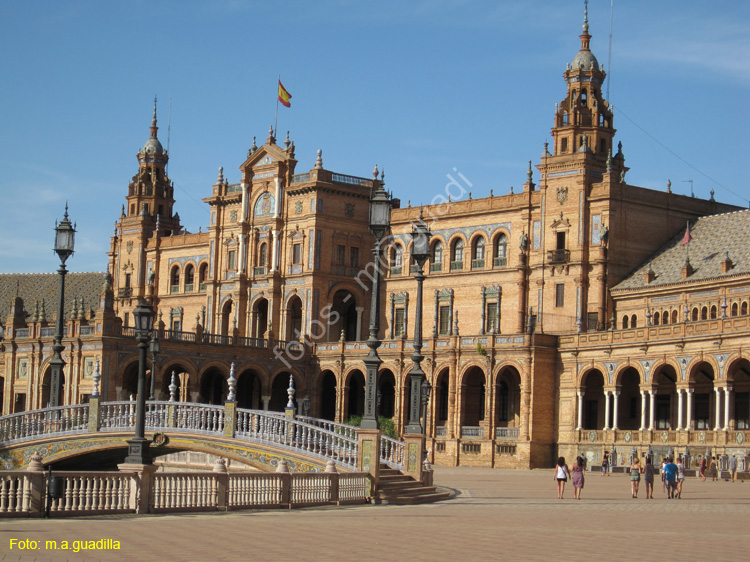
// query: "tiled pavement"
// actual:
[[495, 515]]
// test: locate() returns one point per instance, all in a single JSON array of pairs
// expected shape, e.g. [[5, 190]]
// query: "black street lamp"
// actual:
[[64, 243], [426, 389], [154, 352], [380, 221], [420, 252], [138, 445]]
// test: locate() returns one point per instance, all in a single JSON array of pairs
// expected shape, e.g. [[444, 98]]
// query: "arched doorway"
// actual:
[[344, 304], [260, 311], [739, 374], [441, 394], [294, 319], [473, 391], [508, 398], [355, 399], [702, 381], [386, 394], [181, 381], [249, 390], [213, 387], [593, 400], [629, 402], [328, 396], [665, 380], [129, 386], [226, 317], [46, 388]]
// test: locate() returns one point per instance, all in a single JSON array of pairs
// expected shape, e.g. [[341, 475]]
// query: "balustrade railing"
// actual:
[[85, 493], [392, 452], [58, 420], [506, 432], [15, 493], [471, 431], [184, 491]]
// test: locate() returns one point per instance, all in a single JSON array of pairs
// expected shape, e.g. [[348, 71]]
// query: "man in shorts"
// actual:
[[732, 467], [670, 477]]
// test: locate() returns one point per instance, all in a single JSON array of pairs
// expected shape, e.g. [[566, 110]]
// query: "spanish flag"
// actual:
[[284, 96]]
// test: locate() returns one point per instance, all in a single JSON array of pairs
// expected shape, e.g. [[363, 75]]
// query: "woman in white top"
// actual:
[[561, 475], [680, 476]]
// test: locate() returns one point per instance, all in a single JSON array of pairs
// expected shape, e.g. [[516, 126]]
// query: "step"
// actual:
[[415, 499]]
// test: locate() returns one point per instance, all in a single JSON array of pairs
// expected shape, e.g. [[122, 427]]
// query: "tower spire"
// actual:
[[154, 128], [585, 37]]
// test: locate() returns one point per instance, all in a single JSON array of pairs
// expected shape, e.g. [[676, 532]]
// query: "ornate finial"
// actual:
[[669, 186], [35, 316], [42, 313], [254, 147], [619, 150], [81, 311], [529, 174], [511, 190], [220, 179], [173, 388], [491, 193], [154, 128], [232, 382], [290, 392], [271, 138], [287, 142], [382, 175], [712, 195], [609, 161], [546, 149], [375, 172], [74, 312], [97, 378], [585, 16], [319, 160]]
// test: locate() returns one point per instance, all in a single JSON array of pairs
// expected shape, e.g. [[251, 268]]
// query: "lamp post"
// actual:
[[138, 445], [64, 243], [154, 351], [380, 220], [426, 389], [420, 252]]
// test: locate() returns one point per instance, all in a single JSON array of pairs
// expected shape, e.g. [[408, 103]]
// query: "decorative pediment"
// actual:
[[560, 224]]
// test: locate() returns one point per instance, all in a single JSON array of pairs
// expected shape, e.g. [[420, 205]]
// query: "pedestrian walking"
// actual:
[[648, 478], [670, 477], [702, 470], [561, 475], [680, 476], [713, 469], [605, 464], [732, 467], [635, 476], [663, 476], [578, 477]]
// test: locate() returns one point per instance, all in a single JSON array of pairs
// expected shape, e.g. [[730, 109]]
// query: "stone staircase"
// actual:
[[395, 488]]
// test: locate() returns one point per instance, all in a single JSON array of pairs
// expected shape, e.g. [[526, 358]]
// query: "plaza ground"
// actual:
[[495, 514]]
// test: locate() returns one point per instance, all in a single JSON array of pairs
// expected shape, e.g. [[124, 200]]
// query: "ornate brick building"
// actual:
[[566, 318]]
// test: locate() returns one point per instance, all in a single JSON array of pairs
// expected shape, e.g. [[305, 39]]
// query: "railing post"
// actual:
[[143, 483], [171, 415], [36, 486], [282, 469], [333, 483], [222, 488], [414, 444], [94, 414], [368, 455], [230, 418]]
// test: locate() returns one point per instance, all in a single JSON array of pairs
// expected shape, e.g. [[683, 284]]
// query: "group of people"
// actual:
[[710, 465]]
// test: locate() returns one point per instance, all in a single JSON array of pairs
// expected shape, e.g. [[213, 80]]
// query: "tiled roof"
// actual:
[[713, 238], [37, 286]]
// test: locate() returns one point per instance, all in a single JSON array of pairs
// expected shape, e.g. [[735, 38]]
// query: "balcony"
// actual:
[[558, 256], [259, 271], [125, 292], [174, 289], [396, 270], [436, 267], [457, 265], [500, 262], [506, 432], [202, 287], [477, 263], [188, 287]]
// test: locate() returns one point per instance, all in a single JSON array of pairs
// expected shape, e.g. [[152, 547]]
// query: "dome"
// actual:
[[153, 147], [584, 60]]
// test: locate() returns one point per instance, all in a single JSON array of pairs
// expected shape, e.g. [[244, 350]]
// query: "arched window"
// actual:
[[397, 260], [743, 309], [674, 317], [436, 263], [174, 280], [263, 255], [665, 317], [457, 255], [500, 254], [735, 309], [704, 313], [189, 277], [634, 321], [713, 312], [625, 322], [657, 316], [202, 275], [477, 261], [694, 316]]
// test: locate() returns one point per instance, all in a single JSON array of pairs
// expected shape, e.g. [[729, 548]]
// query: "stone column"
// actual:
[[727, 402], [274, 249], [679, 409], [266, 401], [580, 411], [652, 409], [717, 425], [606, 408], [360, 310], [616, 399], [643, 410], [689, 420]]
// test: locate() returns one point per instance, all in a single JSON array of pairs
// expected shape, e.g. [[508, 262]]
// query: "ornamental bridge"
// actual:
[[258, 438]]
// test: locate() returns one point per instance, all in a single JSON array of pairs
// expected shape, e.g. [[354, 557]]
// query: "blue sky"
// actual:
[[417, 87]]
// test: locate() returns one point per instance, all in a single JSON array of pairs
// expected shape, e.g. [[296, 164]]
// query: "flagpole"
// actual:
[[276, 122]]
